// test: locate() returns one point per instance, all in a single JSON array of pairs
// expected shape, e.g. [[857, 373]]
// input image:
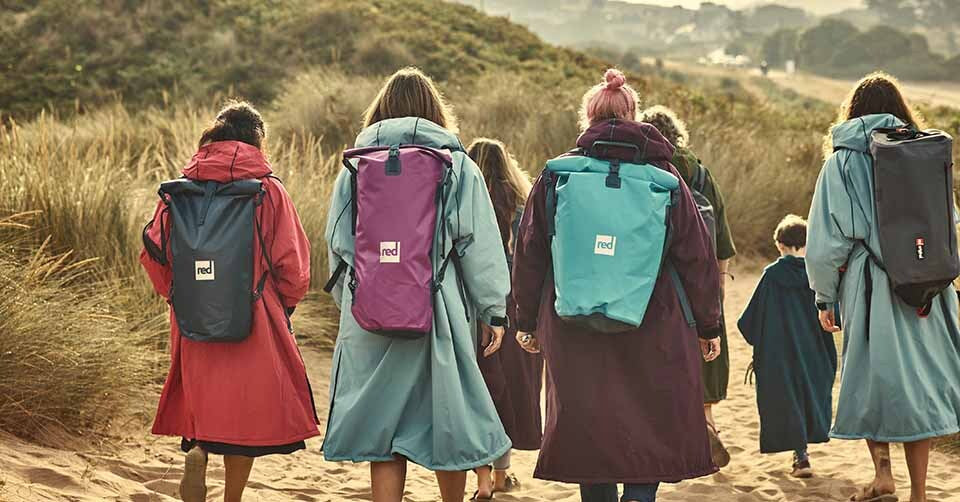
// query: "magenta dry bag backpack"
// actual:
[[398, 193]]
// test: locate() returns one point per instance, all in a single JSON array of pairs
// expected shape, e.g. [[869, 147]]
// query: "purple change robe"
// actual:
[[624, 407]]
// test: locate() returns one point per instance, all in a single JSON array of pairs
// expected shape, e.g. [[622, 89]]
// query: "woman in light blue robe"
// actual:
[[423, 399], [900, 383]]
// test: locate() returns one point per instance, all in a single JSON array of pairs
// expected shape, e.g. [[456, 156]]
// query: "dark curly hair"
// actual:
[[237, 121]]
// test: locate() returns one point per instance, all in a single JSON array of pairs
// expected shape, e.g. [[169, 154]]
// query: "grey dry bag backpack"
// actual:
[[697, 186], [211, 234], [913, 196]]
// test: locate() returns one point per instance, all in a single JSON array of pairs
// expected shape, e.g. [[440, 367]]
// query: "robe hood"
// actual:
[[789, 272], [653, 146], [854, 134], [226, 161], [408, 131]]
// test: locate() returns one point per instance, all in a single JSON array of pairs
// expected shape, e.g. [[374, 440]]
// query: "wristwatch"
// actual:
[[499, 322], [822, 307]]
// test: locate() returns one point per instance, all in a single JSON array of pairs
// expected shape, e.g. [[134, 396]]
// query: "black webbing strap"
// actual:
[[457, 251], [335, 276], [551, 202], [156, 253], [868, 293], [266, 253]]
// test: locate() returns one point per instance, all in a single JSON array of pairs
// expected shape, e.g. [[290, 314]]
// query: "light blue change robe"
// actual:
[[902, 383], [422, 398]]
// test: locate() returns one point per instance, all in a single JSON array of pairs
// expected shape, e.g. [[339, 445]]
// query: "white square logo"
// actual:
[[605, 245], [204, 270], [389, 251]]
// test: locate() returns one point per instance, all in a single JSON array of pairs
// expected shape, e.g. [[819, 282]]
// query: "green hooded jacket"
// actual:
[[686, 163]]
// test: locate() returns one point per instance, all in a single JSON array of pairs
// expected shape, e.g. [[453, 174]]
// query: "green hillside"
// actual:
[[62, 55]]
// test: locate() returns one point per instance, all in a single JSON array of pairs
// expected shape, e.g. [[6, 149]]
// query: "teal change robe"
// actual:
[[422, 398], [794, 360], [900, 383]]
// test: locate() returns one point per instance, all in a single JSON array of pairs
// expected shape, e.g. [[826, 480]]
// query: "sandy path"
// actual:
[[147, 468]]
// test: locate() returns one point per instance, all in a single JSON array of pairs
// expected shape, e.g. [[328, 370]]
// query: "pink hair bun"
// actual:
[[615, 79]]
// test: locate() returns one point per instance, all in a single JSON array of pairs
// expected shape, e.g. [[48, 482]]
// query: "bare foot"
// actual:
[[881, 490]]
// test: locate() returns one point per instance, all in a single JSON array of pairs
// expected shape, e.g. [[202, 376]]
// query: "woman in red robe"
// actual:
[[249, 398]]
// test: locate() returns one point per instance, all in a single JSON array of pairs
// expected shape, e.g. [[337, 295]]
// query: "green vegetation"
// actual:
[[837, 48], [64, 55]]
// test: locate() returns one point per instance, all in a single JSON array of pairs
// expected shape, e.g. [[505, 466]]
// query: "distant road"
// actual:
[[835, 90], [826, 89]]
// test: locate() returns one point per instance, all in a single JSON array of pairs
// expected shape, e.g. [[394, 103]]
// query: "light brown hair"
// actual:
[[667, 122], [791, 232], [508, 185], [410, 93]]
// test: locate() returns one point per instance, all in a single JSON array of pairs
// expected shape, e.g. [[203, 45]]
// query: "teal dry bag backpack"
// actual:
[[609, 223]]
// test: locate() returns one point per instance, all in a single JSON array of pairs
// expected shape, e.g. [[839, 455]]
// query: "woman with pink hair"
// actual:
[[629, 404]]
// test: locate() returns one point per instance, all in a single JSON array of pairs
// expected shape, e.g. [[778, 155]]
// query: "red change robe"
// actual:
[[255, 392]]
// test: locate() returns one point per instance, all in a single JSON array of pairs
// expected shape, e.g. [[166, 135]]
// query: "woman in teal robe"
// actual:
[[899, 385], [421, 399]]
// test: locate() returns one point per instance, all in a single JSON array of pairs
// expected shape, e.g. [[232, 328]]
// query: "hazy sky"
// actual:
[[819, 6]]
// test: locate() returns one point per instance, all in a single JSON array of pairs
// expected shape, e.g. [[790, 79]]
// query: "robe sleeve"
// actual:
[[691, 252], [160, 273], [751, 320], [484, 262], [287, 244], [531, 258], [835, 224], [338, 234]]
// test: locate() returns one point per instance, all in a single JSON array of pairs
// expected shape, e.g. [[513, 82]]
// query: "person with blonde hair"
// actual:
[[794, 359], [513, 376], [422, 399], [716, 374], [622, 407], [895, 360]]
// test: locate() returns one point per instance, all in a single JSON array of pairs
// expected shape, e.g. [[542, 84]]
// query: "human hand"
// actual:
[[710, 349], [490, 337], [828, 321], [528, 342]]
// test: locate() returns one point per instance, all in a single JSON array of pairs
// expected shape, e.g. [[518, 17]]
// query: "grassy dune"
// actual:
[[78, 180]]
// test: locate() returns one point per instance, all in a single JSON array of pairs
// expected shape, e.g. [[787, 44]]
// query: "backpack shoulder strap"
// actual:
[[551, 202], [700, 180], [681, 293]]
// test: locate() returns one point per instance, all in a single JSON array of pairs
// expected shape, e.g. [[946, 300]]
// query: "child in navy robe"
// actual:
[[794, 360]]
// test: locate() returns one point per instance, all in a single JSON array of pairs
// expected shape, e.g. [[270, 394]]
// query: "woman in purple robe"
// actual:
[[628, 407]]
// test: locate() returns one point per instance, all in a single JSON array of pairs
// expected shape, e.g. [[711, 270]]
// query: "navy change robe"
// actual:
[[795, 361]]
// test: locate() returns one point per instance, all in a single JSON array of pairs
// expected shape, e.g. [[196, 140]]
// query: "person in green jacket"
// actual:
[[716, 373]]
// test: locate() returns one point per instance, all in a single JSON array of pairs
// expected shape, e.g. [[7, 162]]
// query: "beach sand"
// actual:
[[139, 467]]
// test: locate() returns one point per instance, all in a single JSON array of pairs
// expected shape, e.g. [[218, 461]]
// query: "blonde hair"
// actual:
[[611, 99], [667, 122], [508, 185], [791, 232], [410, 93]]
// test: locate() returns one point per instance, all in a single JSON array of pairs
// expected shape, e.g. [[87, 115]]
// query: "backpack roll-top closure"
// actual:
[[399, 198], [212, 228]]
